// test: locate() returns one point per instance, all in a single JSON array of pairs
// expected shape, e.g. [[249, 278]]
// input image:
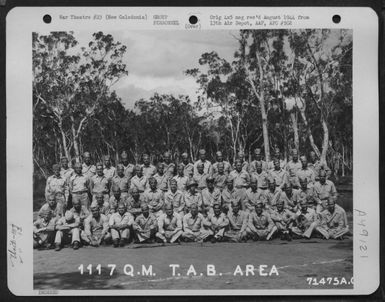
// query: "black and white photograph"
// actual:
[[211, 159]]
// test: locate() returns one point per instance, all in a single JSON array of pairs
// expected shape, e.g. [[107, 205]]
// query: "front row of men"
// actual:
[[217, 223]]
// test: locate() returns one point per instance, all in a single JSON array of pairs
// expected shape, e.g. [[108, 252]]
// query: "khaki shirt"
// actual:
[[191, 199], [134, 206], [176, 199], [82, 214], [56, 185], [41, 223], [241, 179], [206, 166], [129, 170], [220, 221], [123, 183], [188, 170], [238, 222], [120, 220], [109, 172], [220, 180], [334, 220], [201, 180], [260, 222], [88, 171], [173, 223], [273, 197], [154, 199], [162, 181], [93, 225], [307, 174], [253, 166], [227, 196], [305, 218], [149, 171], [252, 198], [302, 195], [181, 182], [285, 216], [280, 176], [261, 178], [227, 168], [293, 167], [210, 198], [322, 192], [58, 211], [66, 173], [193, 224], [79, 183], [145, 224], [100, 184], [169, 170], [139, 183]]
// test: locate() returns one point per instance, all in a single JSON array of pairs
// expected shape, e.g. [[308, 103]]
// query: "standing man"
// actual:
[[241, 179], [145, 225], [66, 172], [169, 225], [210, 196], [279, 175], [193, 229], [253, 196], [79, 185], [218, 222], [188, 167], [168, 166], [306, 173], [154, 198], [192, 195], [226, 165], [162, 178], [100, 183], [292, 168], [148, 169], [316, 165], [260, 175], [257, 159], [129, 169], [323, 190], [273, 194], [202, 161], [260, 226], [238, 221], [201, 176], [245, 163], [121, 181], [96, 228], [88, 169], [57, 184], [181, 179], [277, 155], [109, 171], [175, 198], [120, 223], [139, 181]]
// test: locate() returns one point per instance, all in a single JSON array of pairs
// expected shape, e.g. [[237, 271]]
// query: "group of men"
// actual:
[[257, 200]]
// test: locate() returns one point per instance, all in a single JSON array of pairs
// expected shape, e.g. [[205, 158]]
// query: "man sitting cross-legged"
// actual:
[[96, 228], [44, 230], [260, 226], [238, 221], [193, 228], [120, 224], [68, 230], [169, 225], [145, 225]]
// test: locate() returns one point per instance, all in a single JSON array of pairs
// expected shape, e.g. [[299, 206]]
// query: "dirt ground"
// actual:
[[295, 261]]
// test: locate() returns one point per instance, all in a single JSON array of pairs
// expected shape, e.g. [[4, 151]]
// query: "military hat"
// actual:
[[191, 182]]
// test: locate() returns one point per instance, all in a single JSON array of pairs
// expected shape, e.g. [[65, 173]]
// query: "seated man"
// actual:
[[139, 181], [229, 194], [169, 225], [305, 221], [145, 225], [192, 196], [193, 229], [120, 224], [210, 195], [260, 225], [238, 220], [253, 195], [161, 177], [53, 206], [333, 221], [289, 198], [175, 197], [218, 222], [200, 176], [117, 196], [67, 229], [220, 176], [96, 228], [79, 211], [273, 194], [134, 202], [44, 230], [104, 207], [181, 179], [154, 198], [283, 219]]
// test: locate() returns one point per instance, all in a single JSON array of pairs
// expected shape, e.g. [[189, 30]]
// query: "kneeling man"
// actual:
[[169, 225], [260, 226]]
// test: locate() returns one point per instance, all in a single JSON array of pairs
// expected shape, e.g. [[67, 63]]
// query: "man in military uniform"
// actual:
[[277, 156], [109, 171], [121, 181], [44, 230], [169, 225], [273, 194], [129, 169], [120, 224], [192, 195], [260, 225], [201, 176], [88, 169], [323, 189], [193, 229], [202, 161], [226, 165], [79, 185], [67, 229], [306, 173], [117, 197], [305, 221], [289, 198], [161, 178], [100, 183], [103, 206], [253, 196], [245, 163], [316, 165], [95, 228], [175, 198], [229, 193], [305, 193], [79, 211], [241, 179], [279, 175], [283, 219], [57, 185], [139, 181], [145, 225], [66, 172], [292, 168], [148, 169], [257, 159], [53, 206], [154, 198], [188, 167], [220, 176], [238, 221], [260, 175], [134, 202], [210, 195], [168, 166], [181, 179], [333, 221], [218, 222]]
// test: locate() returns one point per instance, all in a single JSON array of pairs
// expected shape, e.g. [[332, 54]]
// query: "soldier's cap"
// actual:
[[184, 154], [115, 189], [56, 167], [63, 157], [257, 151], [173, 181], [68, 216], [77, 165], [209, 179], [86, 154], [219, 153], [303, 157], [259, 203], [191, 182], [99, 194], [107, 156], [202, 151], [241, 153], [167, 153]]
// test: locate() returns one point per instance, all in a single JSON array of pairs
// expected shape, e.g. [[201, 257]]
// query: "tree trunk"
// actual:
[[75, 141], [343, 160], [64, 140], [309, 134], [325, 142], [294, 122]]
